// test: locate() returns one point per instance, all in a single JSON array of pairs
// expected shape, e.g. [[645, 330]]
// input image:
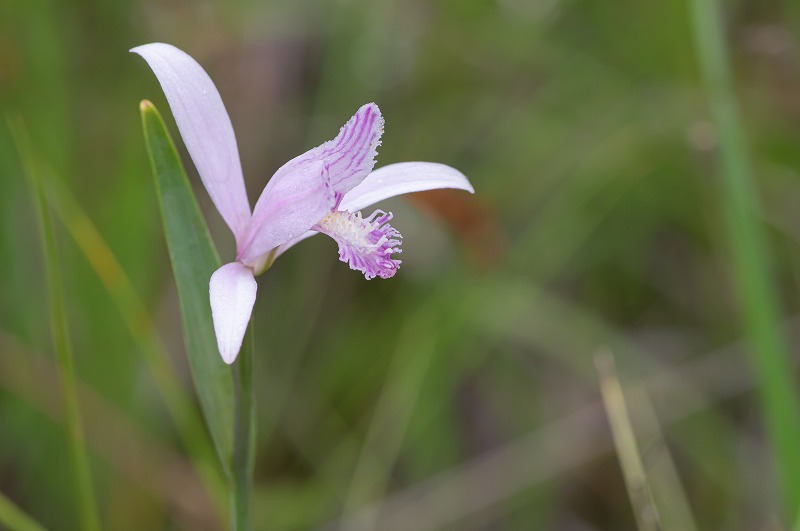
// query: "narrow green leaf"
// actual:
[[750, 257], [194, 258]]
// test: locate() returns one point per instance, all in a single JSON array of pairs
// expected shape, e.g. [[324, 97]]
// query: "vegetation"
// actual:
[[634, 230]]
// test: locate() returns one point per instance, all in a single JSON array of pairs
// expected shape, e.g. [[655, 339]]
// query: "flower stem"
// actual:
[[758, 301], [243, 436]]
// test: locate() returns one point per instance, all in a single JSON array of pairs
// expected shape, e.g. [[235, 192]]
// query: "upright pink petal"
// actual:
[[289, 206], [403, 178], [350, 156], [232, 290], [205, 127], [307, 187]]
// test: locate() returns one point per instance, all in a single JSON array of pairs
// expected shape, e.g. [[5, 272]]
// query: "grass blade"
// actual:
[[390, 419], [758, 304], [144, 332], [15, 518], [194, 258], [131, 455], [87, 506], [630, 460], [668, 491]]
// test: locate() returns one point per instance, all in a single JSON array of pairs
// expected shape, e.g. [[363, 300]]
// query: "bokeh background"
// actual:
[[461, 394]]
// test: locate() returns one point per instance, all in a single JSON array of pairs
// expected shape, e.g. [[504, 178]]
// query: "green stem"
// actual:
[[58, 321], [757, 296], [244, 431]]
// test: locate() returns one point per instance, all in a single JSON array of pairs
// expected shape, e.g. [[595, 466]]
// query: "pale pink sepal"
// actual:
[[205, 128], [403, 178], [232, 290]]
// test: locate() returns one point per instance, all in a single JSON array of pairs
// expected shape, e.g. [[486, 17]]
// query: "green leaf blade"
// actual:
[[194, 258], [759, 305]]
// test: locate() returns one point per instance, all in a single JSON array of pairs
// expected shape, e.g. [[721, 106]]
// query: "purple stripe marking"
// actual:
[[370, 145], [346, 134], [364, 129]]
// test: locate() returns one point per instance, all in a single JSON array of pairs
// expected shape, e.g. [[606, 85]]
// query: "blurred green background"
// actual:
[[462, 393]]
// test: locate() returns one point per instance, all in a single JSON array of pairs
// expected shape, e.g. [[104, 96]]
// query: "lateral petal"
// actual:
[[350, 156], [403, 178], [205, 128], [288, 207], [291, 243], [232, 290]]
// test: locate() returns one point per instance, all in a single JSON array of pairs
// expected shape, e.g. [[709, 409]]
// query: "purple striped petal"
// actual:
[[232, 290], [403, 178], [290, 205], [350, 156], [205, 128]]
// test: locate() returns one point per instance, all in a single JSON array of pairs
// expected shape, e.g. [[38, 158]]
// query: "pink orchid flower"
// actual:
[[321, 191]]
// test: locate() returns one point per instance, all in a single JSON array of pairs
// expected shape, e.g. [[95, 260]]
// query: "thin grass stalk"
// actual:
[[391, 419], [630, 459], [87, 506], [758, 302], [143, 462], [668, 491], [243, 436], [144, 332], [14, 518]]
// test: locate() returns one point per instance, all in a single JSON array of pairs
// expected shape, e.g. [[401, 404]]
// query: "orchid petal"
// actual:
[[291, 243], [350, 156], [366, 244], [289, 206], [205, 128], [403, 178], [392, 180], [232, 290]]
